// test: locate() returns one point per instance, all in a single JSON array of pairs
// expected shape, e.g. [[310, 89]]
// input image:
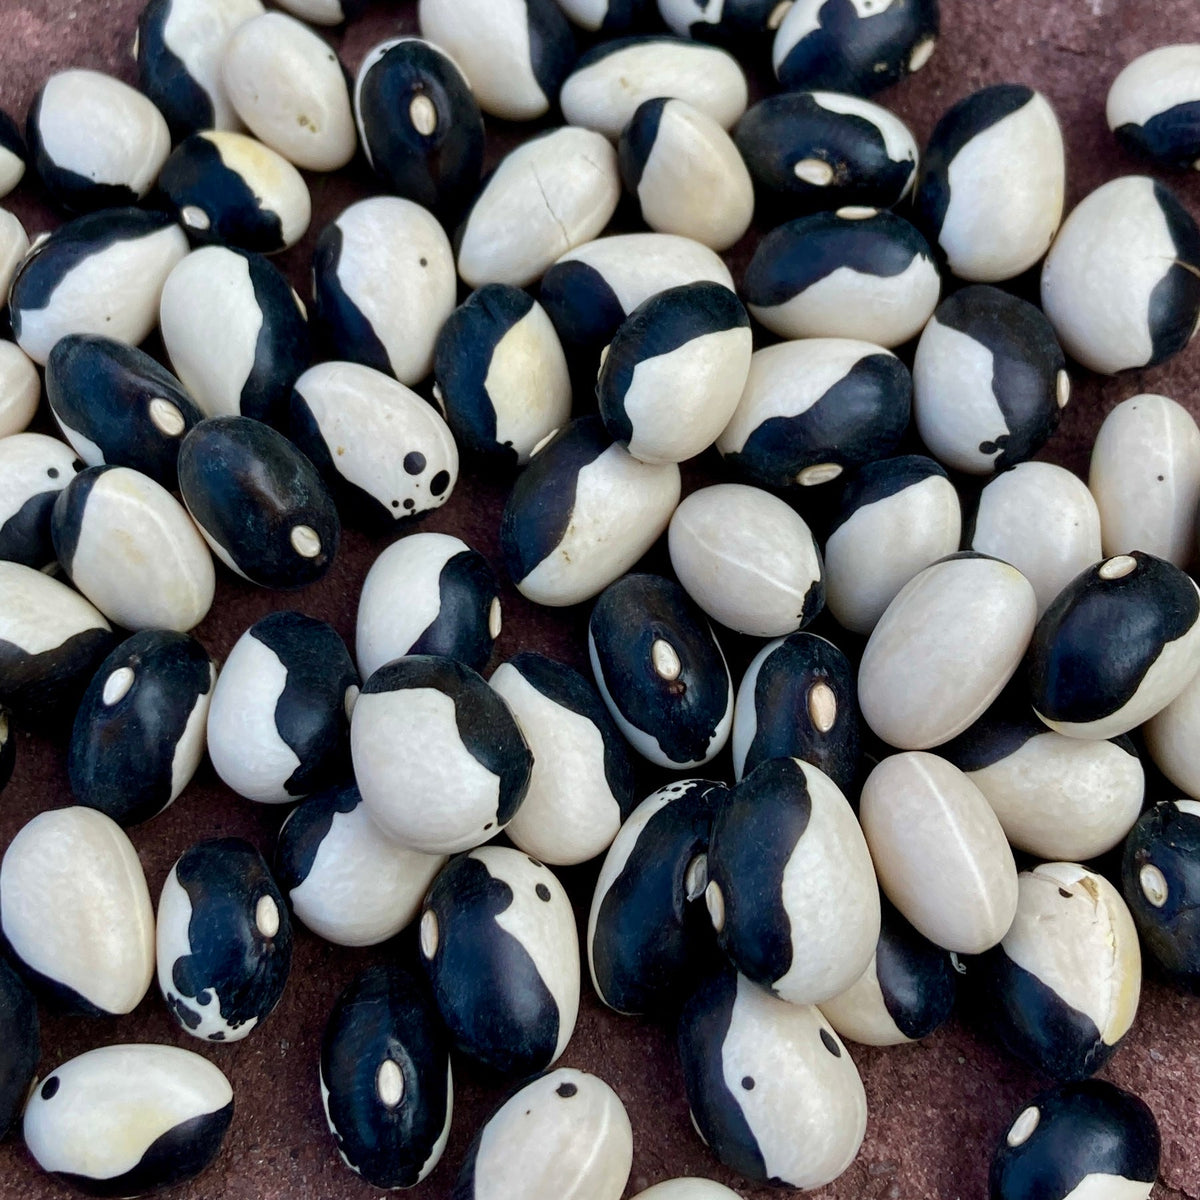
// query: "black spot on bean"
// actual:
[[830, 1044], [410, 504], [748, 1082], [50, 1087], [543, 892], [566, 1090], [1064, 893], [439, 483], [395, 503], [52, 472], [414, 462]]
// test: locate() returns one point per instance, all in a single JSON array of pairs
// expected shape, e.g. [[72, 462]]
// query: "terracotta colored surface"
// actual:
[[936, 1108]]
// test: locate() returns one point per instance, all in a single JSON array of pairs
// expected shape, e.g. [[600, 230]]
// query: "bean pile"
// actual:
[[955, 765]]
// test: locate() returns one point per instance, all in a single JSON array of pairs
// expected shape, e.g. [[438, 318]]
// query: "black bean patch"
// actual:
[[414, 462], [830, 1044], [543, 892], [50, 1087], [566, 1090]]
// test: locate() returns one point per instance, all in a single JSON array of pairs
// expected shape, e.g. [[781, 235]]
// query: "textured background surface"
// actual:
[[936, 1109]]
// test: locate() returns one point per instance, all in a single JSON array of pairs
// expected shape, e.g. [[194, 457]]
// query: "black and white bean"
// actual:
[[290, 89], [813, 407], [855, 273], [418, 123], [498, 943], [747, 559], [1061, 989], [139, 731], [992, 184], [129, 1120], [581, 785], [224, 940], [100, 273], [278, 721], [502, 379], [731, 21], [989, 381], [939, 851], [686, 173], [235, 331], [130, 547], [386, 1081], [117, 406], [772, 1090], [1142, 606], [857, 46], [582, 513], [826, 150], [894, 517], [34, 469], [944, 648], [791, 890], [438, 756], [649, 937], [1145, 478], [260, 504], [228, 188], [1153, 106], [384, 284], [797, 700], [20, 389], [514, 53], [75, 912], [343, 879], [661, 671], [428, 593], [1121, 284]]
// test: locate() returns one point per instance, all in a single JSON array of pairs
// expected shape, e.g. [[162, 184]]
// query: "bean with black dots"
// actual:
[[117, 406], [427, 593], [278, 721], [260, 504], [804, 1125], [1160, 880], [563, 1136], [230, 189], [613, 79], [661, 671], [798, 700], [1061, 990], [1121, 284], [438, 756], [854, 273], [649, 937], [34, 469], [944, 649], [858, 46], [343, 878], [826, 150], [581, 785], [386, 1081], [812, 408], [75, 912], [1058, 798], [498, 944], [549, 195], [686, 173], [101, 273], [178, 51], [139, 731], [21, 1045], [1078, 1139], [1145, 478], [993, 178], [13, 153], [514, 53], [292, 92], [791, 890], [51, 640], [20, 389], [939, 851], [1078, 684], [1153, 106], [419, 124], [1042, 519], [989, 381], [383, 286], [224, 940], [383, 451], [582, 513], [501, 377], [129, 1119], [906, 993]]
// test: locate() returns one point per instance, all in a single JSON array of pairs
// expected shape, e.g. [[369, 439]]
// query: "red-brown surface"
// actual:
[[937, 1108]]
